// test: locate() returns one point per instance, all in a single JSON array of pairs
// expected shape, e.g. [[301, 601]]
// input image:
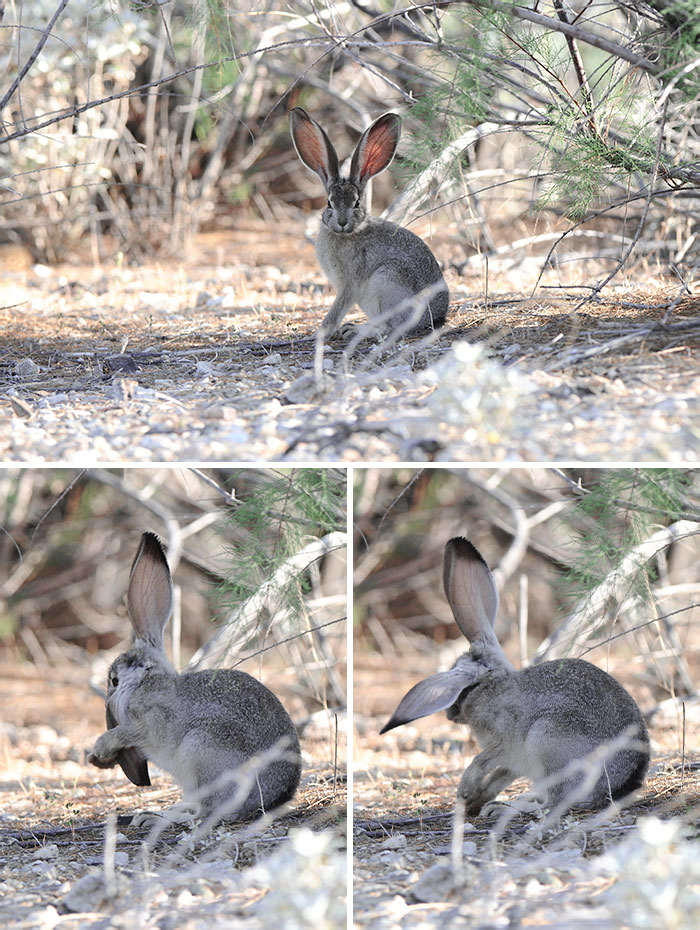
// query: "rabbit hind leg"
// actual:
[[571, 777], [396, 305]]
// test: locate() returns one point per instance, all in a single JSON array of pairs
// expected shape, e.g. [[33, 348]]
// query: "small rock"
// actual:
[[469, 848], [122, 389], [202, 300], [120, 363], [397, 841], [41, 867], [436, 884], [306, 390], [91, 893], [50, 851], [20, 407], [26, 368], [54, 400]]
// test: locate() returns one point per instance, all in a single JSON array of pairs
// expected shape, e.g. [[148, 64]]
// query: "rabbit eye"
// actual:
[[114, 680], [357, 202], [329, 204]]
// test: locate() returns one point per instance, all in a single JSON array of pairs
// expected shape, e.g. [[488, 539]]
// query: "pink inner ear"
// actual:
[[377, 152], [310, 146]]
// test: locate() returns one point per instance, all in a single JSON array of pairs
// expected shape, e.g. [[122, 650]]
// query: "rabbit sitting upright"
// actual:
[[223, 736], [550, 722], [373, 263]]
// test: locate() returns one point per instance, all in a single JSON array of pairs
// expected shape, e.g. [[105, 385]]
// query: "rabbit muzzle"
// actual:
[[344, 213]]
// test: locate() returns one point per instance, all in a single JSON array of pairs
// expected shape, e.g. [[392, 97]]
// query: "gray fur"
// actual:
[[566, 723], [370, 262], [205, 728]]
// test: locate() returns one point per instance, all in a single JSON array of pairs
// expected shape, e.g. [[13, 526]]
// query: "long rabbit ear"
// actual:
[[313, 146], [471, 591], [434, 694], [150, 595], [375, 150]]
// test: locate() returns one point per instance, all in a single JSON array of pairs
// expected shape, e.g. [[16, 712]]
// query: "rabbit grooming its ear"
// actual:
[[566, 723], [385, 269], [223, 736]]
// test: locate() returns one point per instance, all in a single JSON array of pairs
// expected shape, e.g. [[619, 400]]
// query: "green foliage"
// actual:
[[625, 505], [209, 19], [9, 625], [283, 512], [593, 140], [586, 167], [460, 97], [681, 45]]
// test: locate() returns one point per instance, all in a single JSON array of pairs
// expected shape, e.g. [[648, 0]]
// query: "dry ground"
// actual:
[[593, 870], [56, 871], [210, 358]]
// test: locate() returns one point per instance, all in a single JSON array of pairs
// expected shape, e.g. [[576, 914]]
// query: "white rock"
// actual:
[[397, 841], [50, 851]]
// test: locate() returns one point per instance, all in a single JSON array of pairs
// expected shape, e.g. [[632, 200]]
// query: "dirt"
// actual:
[[211, 357]]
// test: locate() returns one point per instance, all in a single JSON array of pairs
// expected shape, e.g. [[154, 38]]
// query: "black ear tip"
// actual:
[[463, 549], [151, 541], [152, 547], [390, 726]]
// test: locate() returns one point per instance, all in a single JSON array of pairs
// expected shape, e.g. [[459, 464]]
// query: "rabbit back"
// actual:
[[203, 726], [543, 718], [378, 266]]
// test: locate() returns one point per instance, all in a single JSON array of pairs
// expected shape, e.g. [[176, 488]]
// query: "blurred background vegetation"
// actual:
[[257, 557], [595, 563], [568, 128]]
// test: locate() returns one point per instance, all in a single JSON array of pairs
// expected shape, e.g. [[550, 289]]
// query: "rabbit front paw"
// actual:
[[104, 754], [101, 762], [494, 810]]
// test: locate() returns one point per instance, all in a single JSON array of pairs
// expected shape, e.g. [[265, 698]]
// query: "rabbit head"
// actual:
[[373, 153], [150, 601], [473, 599]]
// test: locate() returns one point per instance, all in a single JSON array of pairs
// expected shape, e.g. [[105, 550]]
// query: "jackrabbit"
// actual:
[[223, 736], [370, 262], [539, 723]]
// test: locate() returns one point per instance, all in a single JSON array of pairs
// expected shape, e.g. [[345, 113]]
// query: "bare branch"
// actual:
[[34, 55]]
